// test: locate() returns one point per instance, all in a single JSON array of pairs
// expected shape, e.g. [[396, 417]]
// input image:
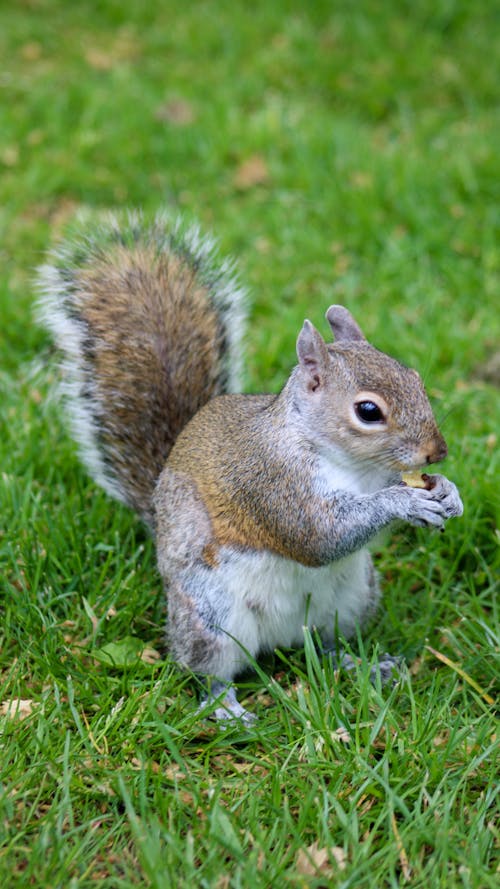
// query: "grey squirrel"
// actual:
[[262, 506]]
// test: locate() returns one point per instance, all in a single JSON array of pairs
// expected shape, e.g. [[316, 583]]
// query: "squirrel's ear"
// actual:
[[343, 325], [313, 355]]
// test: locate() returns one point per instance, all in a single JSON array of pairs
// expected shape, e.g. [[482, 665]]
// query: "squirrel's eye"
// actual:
[[368, 412]]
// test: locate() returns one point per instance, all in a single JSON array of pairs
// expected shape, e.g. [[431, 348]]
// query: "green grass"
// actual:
[[341, 152]]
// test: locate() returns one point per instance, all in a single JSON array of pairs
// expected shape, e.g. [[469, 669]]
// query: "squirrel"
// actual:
[[262, 507]]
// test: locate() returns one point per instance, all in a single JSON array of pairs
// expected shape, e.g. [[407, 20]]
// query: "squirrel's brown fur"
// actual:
[[122, 304]]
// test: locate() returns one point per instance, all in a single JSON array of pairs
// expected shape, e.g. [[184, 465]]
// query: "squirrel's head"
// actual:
[[361, 400]]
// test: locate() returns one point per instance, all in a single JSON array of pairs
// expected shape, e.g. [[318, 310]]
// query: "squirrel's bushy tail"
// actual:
[[149, 323]]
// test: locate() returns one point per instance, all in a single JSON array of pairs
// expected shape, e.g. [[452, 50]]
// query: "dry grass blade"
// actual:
[[461, 672]]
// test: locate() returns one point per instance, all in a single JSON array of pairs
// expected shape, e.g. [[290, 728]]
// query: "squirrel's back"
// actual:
[[150, 325]]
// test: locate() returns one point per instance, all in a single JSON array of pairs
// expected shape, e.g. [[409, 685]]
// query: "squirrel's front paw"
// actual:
[[432, 507], [447, 494]]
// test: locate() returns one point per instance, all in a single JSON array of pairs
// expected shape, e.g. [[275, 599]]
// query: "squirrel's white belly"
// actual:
[[273, 598]]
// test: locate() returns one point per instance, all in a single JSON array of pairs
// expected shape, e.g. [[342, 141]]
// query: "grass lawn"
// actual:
[[342, 152]]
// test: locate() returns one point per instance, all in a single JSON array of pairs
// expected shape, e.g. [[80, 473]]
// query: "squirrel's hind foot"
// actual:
[[388, 667], [228, 709]]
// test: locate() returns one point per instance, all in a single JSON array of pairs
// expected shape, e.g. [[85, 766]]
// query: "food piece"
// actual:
[[416, 479]]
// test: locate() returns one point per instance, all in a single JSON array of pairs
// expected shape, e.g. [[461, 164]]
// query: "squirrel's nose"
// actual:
[[438, 452]]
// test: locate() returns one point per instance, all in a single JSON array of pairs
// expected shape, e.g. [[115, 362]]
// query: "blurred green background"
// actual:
[[339, 151]]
